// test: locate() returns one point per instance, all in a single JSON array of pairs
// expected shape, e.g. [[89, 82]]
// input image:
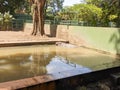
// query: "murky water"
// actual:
[[28, 61]]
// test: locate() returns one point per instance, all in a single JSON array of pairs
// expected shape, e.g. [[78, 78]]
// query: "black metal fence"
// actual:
[[14, 25], [28, 19], [21, 19], [18, 24]]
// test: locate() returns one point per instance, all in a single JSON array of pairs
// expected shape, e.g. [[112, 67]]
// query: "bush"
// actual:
[[5, 21], [1, 20]]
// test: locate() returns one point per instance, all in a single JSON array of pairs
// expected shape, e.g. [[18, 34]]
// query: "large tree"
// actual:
[[39, 8], [38, 17]]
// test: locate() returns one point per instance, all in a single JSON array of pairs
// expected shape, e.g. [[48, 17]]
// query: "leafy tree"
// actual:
[[67, 14], [94, 2], [52, 7], [110, 8], [90, 13], [114, 8], [82, 12], [10, 5]]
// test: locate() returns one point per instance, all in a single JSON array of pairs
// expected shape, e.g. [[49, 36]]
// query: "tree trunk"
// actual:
[[38, 17]]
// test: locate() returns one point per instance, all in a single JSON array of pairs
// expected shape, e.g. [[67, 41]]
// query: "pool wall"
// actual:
[[101, 38], [60, 81]]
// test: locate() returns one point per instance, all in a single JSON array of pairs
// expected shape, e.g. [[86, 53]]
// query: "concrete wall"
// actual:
[[106, 39], [101, 38]]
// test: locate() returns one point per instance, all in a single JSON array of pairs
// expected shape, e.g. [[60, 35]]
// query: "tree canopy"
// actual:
[[110, 8], [93, 11], [52, 7], [10, 5]]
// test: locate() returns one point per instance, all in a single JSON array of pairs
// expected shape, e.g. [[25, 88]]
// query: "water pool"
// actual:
[[28, 61]]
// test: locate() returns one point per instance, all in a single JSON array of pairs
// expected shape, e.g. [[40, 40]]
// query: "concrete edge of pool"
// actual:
[[73, 75], [26, 43], [102, 51]]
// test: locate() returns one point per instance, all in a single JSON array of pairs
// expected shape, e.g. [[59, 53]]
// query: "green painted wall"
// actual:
[[107, 39]]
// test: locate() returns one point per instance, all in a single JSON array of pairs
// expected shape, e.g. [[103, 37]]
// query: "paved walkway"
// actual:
[[22, 38]]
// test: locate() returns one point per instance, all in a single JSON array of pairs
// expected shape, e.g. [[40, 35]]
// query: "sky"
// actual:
[[71, 2]]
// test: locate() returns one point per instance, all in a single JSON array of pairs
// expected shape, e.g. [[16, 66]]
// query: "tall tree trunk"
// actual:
[[38, 17]]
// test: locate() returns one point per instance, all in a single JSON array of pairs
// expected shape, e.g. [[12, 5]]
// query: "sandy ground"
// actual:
[[16, 36]]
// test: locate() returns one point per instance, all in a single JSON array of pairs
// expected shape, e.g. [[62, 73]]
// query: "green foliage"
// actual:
[[5, 20], [110, 8], [53, 7], [66, 14], [82, 12], [23, 6], [1, 19], [56, 5], [10, 5], [91, 11], [94, 12], [7, 17], [112, 17], [94, 2]]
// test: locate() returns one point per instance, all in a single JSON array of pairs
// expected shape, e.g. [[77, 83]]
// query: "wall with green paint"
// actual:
[[107, 39]]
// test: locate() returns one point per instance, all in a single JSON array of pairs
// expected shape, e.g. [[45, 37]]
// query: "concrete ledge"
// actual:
[[29, 82], [26, 43], [75, 75], [102, 51]]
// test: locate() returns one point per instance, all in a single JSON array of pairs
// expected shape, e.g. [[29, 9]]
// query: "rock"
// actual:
[[65, 45]]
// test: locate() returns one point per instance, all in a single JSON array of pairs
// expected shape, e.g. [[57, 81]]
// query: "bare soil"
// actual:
[[16, 36]]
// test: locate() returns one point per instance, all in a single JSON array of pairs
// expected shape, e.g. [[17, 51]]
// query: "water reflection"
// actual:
[[39, 60], [21, 65], [59, 64]]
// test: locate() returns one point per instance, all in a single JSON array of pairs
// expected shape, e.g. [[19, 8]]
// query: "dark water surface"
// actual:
[[28, 61]]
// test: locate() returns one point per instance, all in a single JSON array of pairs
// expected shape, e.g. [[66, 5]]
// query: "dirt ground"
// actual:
[[16, 36]]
